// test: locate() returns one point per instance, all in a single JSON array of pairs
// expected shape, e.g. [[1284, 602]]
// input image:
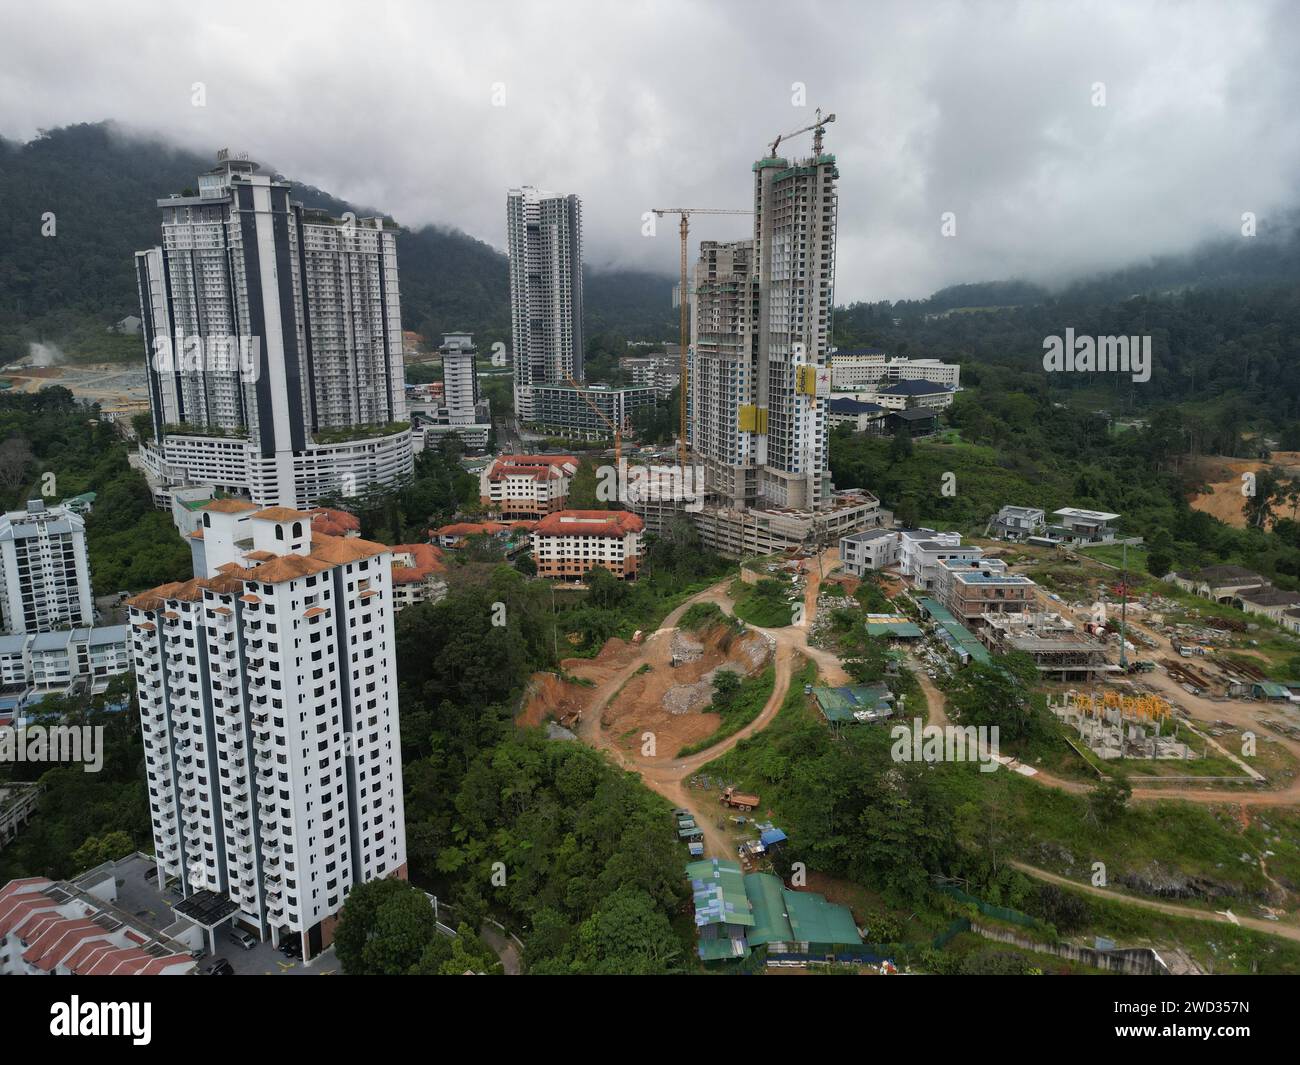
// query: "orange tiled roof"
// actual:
[[590, 523], [337, 550], [286, 568], [428, 560], [333, 522], [229, 506], [281, 514], [471, 528]]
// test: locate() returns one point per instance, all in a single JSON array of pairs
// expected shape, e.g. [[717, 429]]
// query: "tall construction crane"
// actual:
[[685, 229], [618, 432], [818, 128]]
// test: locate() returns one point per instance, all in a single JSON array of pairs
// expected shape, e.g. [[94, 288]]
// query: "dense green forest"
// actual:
[[52, 445], [587, 866], [1221, 351], [102, 185]]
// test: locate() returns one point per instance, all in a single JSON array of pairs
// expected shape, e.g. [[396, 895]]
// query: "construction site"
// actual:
[[1113, 725], [668, 696]]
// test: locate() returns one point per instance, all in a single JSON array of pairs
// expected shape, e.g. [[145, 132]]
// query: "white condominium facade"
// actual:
[[861, 368], [274, 344], [44, 571], [268, 701], [460, 378], [544, 236]]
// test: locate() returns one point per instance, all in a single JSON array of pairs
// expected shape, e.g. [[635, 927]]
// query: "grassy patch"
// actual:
[[763, 604], [737, 710]]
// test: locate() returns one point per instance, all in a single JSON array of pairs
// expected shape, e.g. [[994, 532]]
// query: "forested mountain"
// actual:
[[101, 186], [1224, 324]]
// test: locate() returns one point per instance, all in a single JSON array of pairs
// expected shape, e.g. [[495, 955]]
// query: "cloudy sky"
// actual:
[[1064, 138]]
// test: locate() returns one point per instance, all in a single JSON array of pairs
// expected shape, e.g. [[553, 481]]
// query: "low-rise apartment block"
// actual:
[[527, 486], [60, 662], [565, 411], [569, 543], [417, 575], [867, 367], [972, 588]]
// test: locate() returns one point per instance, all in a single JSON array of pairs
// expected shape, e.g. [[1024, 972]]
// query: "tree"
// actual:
[[100, 849], [1108, 799], [999, 695], [626, 935], [15, 458], [359, 920]]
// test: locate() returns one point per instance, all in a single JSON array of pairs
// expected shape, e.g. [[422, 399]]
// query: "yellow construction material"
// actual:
[[752, 419]]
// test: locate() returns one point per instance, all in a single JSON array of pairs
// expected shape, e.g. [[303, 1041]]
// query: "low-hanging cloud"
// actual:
[[1057, 139]]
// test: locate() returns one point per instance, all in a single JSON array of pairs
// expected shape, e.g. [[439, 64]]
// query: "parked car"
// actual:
[[220, 967], [291, 948], [244, 938], [151, 873]]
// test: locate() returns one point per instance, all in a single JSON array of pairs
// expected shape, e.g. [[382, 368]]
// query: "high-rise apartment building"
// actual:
[[544, 232], [268, 703], [44, 571], [759, 378], [460, 378], [274, 344], [795, 209], [723, 424]]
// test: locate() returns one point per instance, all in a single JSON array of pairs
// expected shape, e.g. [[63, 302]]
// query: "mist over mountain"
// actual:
[[101, 183]]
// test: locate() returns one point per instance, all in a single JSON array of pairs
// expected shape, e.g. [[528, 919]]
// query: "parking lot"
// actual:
[[139, 896]]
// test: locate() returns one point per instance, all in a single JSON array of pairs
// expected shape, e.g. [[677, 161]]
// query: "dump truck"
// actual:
[[738, 800]]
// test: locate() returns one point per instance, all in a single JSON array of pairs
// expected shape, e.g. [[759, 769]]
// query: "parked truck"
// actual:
[[738, 800]]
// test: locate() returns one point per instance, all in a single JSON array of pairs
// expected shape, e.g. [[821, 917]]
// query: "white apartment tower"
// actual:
[[544, 233], [274, 344], [460, 378], [268, 703], [44, 572]]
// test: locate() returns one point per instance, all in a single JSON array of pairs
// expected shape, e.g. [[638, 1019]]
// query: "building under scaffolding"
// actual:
[[1057, 648]]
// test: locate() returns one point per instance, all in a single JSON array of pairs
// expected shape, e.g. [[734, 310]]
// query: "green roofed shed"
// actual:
[[955, 634], [824, 926], [719, 893], [767, 897], [841, 706], [893, 627]]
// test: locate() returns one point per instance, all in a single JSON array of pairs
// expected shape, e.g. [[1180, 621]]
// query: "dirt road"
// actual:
[[1172, 909], [669, 775]]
